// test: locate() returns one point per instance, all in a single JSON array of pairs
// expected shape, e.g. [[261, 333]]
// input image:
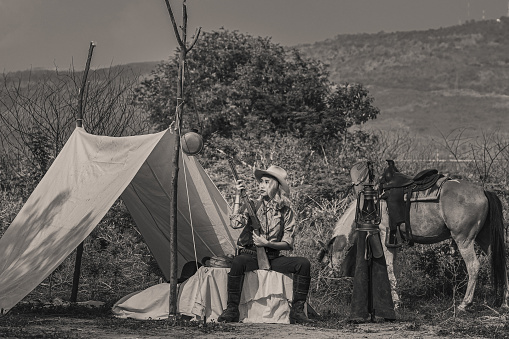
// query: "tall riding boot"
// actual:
[[232, 314], [300, 292]]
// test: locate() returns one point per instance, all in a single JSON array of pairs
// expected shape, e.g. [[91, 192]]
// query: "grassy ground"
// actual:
[[424, 319]]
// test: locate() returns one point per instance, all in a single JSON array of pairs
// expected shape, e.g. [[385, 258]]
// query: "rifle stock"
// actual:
[[261, 255]]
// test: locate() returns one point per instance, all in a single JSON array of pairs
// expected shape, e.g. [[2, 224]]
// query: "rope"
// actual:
[[178, 127], [189, 209], [192, 227], [178, 114]]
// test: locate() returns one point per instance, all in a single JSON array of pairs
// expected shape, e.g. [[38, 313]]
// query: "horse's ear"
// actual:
[[321, 254], [323, 251]]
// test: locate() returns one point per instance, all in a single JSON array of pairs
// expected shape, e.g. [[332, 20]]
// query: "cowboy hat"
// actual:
[[274, 171]]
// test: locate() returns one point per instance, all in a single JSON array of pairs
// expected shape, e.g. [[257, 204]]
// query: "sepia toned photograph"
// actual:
[[254, 169]]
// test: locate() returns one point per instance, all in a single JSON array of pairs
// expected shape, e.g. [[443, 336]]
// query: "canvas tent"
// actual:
[[86, 178]]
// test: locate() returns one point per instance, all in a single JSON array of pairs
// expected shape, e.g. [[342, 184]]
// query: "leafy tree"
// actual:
[[346, 106], [248, 86]]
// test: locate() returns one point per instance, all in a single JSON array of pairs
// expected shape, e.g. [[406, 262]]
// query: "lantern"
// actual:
[[368, 213], [192, 143]]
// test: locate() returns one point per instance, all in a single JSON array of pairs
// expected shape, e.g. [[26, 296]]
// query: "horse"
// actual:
[[464, 212]]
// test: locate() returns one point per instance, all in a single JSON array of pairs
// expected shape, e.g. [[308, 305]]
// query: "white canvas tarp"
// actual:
[[266, 298], [86, 178]]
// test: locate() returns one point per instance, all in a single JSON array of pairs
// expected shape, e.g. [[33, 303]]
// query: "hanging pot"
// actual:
[[192, 143]]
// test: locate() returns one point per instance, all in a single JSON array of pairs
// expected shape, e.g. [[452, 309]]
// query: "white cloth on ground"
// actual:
[[266, 298]]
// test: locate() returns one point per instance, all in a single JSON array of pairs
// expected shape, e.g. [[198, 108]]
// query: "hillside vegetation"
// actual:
[[428, 81]]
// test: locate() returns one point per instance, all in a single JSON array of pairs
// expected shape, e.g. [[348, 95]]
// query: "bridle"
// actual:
[[360, 173]]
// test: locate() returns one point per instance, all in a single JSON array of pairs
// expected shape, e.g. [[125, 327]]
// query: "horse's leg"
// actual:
[[505, 305], [390, 257], [467, 251], [464, 208]]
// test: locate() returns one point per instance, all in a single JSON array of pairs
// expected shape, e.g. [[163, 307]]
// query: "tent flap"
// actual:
[[202, 211]]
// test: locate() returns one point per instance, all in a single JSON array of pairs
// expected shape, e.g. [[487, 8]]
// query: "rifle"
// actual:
[[261, 255]]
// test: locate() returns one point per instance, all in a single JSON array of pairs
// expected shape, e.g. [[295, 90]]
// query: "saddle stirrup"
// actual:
[[393, 238]]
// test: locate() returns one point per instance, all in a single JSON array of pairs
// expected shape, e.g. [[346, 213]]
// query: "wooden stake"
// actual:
[[79, 123], [183, 50]]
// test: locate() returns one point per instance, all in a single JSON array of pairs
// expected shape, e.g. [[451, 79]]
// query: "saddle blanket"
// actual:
[[431, 193]]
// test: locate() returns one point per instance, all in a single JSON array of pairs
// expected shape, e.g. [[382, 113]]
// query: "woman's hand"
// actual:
[[259, 240], [241, 185]]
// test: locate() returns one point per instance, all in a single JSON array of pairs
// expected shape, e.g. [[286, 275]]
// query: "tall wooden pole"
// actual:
[[79, 119], [79, 123], [183, 50]]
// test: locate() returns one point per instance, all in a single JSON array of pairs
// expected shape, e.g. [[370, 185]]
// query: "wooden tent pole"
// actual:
[[183, 50], [79, 123], [79, 119]]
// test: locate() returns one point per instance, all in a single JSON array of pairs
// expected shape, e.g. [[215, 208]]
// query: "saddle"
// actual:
[[395, 186]]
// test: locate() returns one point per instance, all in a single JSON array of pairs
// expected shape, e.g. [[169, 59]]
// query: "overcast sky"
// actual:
[[45, 33]]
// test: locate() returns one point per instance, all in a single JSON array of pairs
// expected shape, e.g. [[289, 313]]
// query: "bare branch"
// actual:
[[38, 113], [195, 39], [174, 23]]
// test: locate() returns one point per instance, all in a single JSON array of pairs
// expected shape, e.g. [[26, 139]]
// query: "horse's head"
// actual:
[[343, 238], [341, 241]]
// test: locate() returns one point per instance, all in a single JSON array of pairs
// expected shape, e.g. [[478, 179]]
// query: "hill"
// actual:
[[428, 82], [34, 75]]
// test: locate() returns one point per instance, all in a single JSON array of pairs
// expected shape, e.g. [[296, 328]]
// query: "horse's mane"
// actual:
[[345, 225], [359, 172]]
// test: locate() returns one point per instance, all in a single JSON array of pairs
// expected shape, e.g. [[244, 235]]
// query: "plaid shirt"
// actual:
[[277, 222]]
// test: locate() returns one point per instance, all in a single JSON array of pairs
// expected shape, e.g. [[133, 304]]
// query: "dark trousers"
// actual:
[[246, 263]]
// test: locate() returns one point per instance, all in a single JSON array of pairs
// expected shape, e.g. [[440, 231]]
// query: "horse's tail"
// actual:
[[495, 221]]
